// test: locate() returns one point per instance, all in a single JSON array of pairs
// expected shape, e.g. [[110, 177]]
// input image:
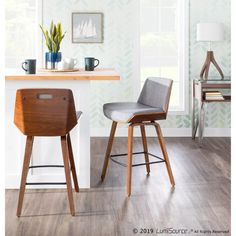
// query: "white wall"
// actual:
[[119, 50]]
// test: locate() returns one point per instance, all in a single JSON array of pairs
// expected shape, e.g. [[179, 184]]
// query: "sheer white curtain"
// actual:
[[162, 43], [21, 31]]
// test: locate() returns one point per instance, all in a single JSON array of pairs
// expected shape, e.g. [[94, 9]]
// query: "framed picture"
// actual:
[[87, 27]]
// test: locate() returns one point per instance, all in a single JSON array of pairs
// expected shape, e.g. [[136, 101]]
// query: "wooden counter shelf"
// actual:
[[99, 74]]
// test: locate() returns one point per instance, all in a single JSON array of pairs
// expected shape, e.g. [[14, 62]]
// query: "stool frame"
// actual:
[[156, 94], [130, 153], [47, 112]]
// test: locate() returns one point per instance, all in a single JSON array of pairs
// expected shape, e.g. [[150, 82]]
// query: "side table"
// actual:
[[199, 88]]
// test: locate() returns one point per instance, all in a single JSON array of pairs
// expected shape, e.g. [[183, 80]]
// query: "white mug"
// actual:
[[67, 63], [71, 62], [62, 65]]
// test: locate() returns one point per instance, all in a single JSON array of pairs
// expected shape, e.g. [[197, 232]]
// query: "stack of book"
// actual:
[[213, 95]]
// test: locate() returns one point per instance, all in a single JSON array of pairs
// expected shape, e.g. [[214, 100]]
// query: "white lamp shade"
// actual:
[[210, 32]]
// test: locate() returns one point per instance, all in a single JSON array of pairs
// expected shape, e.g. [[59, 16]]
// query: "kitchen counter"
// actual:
[[47, 150], [98, 74]]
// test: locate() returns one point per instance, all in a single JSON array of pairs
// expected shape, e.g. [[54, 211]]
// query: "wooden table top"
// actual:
[[97, 74]]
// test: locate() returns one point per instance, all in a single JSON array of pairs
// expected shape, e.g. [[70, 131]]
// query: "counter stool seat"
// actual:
[[47, 112], [78, 114], [152, 105], [124, 111]]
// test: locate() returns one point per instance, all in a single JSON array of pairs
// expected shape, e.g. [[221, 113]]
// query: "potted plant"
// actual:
[[53, 40]]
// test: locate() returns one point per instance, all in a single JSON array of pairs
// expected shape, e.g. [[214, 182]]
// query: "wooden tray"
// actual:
[[55, 70]]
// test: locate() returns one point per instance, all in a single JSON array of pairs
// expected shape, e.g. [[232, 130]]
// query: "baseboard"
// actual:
[[167, 132]]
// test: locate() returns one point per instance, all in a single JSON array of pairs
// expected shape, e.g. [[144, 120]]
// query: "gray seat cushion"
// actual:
[[78, 114], [124, 111]]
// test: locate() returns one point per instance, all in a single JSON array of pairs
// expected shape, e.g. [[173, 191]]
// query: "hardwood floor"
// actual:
[[199, 201]]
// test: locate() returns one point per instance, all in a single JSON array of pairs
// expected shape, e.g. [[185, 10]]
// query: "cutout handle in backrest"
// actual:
[[44, 96]]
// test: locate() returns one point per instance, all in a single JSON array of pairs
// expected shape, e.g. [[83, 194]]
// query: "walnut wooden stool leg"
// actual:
[[109, 147], [72, 163], [145, 148], [25, 169], [67, 173], [164, 151], [129, 164]]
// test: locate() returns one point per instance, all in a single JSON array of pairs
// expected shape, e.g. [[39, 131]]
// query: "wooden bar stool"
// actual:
[[47, 112], [152, 105]]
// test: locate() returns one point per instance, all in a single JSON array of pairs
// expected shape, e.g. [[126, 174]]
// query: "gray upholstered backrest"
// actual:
[[156, 92]]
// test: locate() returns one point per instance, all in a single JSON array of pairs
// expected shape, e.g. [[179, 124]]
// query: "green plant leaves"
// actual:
[[53, 40], [51, 28]]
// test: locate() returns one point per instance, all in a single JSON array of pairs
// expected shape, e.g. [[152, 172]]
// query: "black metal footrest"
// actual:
[[137, 153], [46, 183], [45, 166]]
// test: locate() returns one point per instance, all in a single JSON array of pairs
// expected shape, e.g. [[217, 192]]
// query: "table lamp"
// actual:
[[210, 32]]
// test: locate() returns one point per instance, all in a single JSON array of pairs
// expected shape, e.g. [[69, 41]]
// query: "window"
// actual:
[[21, 31], [164, 46]]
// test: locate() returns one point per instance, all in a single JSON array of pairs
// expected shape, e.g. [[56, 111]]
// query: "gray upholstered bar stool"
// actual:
[[152, 105]]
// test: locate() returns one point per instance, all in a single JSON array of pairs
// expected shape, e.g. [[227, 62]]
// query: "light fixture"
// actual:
[[210, 32]]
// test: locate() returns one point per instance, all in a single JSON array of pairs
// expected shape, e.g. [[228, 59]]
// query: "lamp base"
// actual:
[[205, 69]]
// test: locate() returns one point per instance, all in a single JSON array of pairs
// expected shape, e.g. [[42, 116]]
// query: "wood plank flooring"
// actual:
[[200, 200]]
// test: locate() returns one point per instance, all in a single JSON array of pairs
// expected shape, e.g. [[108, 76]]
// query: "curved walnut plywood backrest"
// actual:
[[45, 112]]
